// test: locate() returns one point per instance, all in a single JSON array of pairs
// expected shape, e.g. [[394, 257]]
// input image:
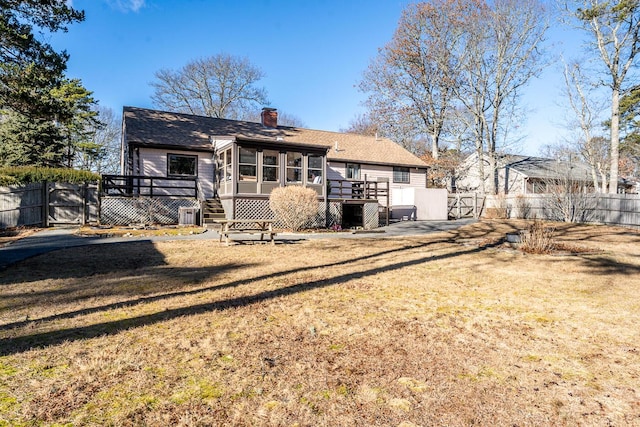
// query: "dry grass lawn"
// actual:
[[444, 329], [9, 236]]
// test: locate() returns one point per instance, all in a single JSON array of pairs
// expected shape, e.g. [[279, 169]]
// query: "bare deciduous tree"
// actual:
[[452, 55], [614, 28], [284, 118], [101, 154], [567, 199], [586, 108], [503, 54], [411, 81], [362, 124], [222, 86]]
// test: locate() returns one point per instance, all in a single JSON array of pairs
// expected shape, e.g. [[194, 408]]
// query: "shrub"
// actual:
[[538, 239], [28, 174], [294, 206], [523, 206], [500, 208]]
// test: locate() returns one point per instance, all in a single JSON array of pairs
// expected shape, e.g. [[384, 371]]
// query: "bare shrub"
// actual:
[[538, 239], [569, 199], [294, 206], [500, 209], [523, 206]]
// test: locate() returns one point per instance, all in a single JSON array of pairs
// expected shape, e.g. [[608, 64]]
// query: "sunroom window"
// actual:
[[181, 165], [314, 170], [294, 167], [270, 166], [227, 165], [247, 166]]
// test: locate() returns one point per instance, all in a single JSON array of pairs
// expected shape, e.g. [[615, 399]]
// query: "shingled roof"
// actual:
[[544, 168], [189, 132]]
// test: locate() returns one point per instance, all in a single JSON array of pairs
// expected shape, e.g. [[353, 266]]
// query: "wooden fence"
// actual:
[[48, 203], [465, 205]]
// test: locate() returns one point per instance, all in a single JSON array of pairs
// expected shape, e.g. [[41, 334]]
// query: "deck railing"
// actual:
[[152, 186], [348, 189]]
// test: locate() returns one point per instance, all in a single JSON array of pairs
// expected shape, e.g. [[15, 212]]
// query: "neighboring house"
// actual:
[[240, 162], [521, 174]]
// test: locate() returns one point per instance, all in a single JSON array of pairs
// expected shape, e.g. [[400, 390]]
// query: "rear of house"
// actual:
[[237, 164]]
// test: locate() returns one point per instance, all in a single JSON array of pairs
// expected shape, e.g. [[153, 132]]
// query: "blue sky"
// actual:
[[312, 52]]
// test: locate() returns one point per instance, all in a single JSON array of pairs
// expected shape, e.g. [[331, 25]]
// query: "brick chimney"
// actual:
[[269, 117]]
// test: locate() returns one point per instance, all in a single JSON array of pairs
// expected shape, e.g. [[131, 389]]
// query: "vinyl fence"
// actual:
[[614, 209], [48, 203]]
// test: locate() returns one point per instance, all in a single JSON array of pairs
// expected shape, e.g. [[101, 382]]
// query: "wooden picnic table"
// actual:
[[245, 226]]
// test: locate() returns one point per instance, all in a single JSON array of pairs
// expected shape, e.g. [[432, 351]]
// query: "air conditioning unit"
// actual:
[[188, 216]]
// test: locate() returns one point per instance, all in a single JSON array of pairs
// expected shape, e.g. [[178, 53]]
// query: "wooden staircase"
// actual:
[[212, 209]]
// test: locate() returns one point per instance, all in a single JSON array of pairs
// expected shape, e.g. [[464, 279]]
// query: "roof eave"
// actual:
[[170, 146], [282, 143], [377, 163]]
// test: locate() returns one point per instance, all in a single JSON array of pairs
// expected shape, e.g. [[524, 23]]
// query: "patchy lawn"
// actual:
[[447, 329], [120, 231], [10, 235]]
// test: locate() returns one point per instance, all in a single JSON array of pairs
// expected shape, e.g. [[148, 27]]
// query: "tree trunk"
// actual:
[[615, 140], [434, 145], [594, 177], [493, 170], [603, 176]]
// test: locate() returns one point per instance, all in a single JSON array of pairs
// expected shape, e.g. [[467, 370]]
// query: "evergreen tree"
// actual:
[[35, 103]]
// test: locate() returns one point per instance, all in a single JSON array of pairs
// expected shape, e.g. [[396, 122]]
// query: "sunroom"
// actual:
[[249, 169]]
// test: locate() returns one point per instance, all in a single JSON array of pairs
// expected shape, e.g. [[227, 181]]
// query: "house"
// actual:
[[517, 174], [239, 163]]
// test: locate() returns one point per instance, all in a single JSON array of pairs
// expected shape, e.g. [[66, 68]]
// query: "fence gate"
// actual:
[[465, 205], [66, 204]]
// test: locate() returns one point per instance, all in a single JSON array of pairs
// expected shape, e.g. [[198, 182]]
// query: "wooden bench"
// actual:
[[245, 226]]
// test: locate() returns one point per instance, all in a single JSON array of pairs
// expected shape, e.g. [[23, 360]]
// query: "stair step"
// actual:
[[212, 210]]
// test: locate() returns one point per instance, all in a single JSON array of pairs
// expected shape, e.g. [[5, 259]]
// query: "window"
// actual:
[[227, 165], [294, 167], [181, 165], [270, 166], [247, 166], [314, 171], [400, 175], [353, 171]]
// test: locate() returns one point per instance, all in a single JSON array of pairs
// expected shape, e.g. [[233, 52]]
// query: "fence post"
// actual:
[[84, 195], [475, 205], [45, 204], [459, 210]]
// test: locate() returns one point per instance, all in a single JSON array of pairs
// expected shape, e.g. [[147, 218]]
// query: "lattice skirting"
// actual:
[[371, 215], [143, 210], [254, 209], [332, 215]]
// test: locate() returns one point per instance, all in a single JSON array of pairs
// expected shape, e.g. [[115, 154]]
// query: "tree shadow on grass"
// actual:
[[22, 343], [602, 265], [89, 260], [605, 233], [208, 272]]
